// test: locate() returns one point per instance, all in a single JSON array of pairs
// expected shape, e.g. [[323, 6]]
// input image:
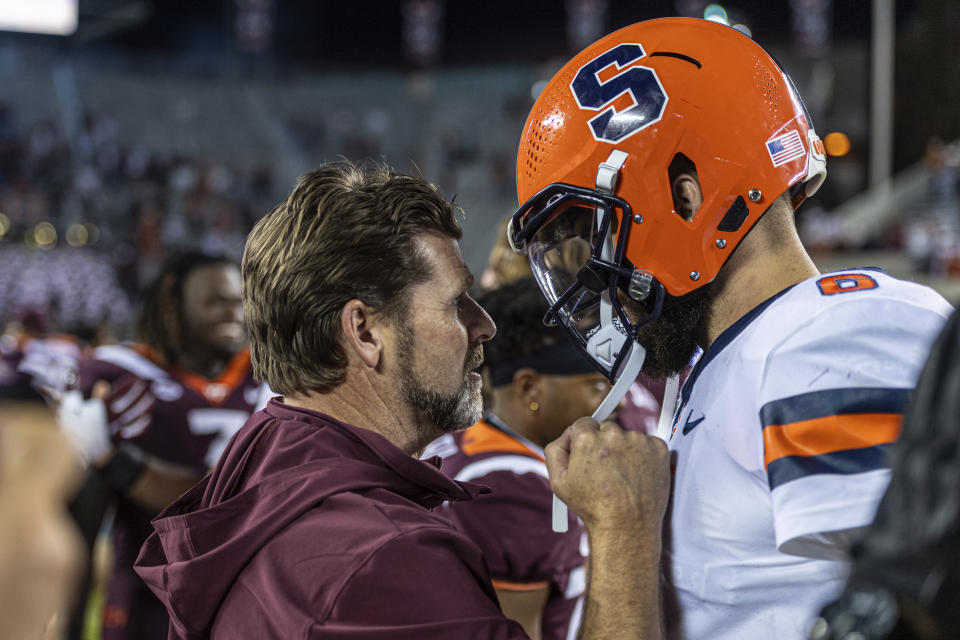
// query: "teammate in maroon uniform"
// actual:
[[174, 401], [540, 385]]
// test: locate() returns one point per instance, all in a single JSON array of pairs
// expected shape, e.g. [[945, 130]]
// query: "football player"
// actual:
[[670, 157], [540, 385], [170, 404]]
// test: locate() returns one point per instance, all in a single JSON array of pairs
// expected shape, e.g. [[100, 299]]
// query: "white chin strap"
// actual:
[[606, 343]]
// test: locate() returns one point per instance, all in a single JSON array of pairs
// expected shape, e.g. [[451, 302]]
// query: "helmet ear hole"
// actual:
[[684, 186]]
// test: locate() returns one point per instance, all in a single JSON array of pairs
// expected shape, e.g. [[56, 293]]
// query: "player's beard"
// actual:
[[672, 340], [447, 411]]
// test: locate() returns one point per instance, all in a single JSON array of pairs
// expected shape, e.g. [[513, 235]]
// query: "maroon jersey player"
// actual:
[[190, 417], [173, 403], [540, 384], [538, 574]]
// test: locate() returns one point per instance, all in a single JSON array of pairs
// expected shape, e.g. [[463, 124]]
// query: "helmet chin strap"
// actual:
[[608, 340], [606, 343], [609, 334]]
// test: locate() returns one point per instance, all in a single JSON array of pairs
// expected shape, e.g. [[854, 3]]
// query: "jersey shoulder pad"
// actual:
[[130, 360]]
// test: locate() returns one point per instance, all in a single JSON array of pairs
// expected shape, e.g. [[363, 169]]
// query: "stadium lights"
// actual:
[[716, 13], [836, 144], [45, 235], [93, 232], [53, 17], [77, 235]]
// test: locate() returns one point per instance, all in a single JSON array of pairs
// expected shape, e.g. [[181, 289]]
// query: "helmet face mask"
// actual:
[[656, 92], [570, 242]]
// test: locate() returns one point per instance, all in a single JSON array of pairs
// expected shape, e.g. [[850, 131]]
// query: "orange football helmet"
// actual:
[[600, 148]]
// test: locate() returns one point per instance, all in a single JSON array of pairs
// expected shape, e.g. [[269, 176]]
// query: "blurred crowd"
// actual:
[[926, 231], [86, 221], [100, 197], [932, 237]]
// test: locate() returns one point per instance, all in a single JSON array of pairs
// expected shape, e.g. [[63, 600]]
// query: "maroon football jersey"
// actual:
[[194, 417], [191, 422], [512, 524]]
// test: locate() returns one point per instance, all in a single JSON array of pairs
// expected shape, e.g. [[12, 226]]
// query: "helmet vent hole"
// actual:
[[735, 216], [541, 138], [767, 85]]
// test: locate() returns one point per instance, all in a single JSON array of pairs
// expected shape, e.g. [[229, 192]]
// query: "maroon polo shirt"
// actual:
[[312, 528]]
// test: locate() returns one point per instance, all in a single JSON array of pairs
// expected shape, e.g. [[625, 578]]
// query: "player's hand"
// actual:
[[613, 479], [84, 422]]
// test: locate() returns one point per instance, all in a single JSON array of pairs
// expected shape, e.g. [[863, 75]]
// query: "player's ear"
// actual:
[[526, 384], [361, 332], [687, 196]]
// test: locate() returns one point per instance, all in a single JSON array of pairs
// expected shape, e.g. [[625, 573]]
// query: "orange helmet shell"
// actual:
[[726, 105]]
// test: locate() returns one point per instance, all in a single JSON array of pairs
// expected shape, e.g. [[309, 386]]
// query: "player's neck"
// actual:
[[756, 272], [516, 417], [204, 364]]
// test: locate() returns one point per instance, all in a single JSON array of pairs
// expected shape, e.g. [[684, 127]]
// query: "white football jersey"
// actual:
[[779, 444]]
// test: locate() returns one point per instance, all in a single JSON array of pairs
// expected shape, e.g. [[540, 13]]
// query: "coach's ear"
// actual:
[[362, 332]]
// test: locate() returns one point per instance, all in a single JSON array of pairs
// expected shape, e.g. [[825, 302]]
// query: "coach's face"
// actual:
[[440, 344]]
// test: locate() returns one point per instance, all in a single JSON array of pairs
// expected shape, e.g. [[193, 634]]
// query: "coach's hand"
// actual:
[[613, 479]]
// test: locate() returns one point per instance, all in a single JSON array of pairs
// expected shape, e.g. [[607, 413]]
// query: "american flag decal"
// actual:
[[785, 148]]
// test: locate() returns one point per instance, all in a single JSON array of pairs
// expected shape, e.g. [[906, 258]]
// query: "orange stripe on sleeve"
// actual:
[[830, 433]]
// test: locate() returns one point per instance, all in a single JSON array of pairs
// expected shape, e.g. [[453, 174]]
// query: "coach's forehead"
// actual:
[[443, 255]]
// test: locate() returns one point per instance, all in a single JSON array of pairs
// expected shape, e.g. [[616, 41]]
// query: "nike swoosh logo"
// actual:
[[690, 424]]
